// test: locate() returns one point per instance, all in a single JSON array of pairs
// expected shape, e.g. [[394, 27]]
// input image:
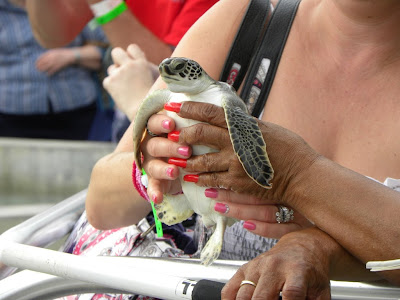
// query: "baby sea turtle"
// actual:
[[187, 81]]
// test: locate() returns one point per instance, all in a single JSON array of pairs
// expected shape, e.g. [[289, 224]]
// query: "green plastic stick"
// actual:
[[156, 220]]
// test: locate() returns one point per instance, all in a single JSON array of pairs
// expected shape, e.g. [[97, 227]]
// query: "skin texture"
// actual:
[[336, 87]]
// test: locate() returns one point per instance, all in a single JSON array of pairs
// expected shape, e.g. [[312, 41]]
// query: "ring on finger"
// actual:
[[150, 133], [249, 282], [284, 214]]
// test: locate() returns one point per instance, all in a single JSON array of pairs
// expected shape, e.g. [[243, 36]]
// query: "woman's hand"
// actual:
[[259, 218], [288, 154], [298, 266], [156, 152], [55, 60], [129, 78]]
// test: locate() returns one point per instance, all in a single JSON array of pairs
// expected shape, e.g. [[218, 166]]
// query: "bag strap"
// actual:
[[265, 63], [246, 41]]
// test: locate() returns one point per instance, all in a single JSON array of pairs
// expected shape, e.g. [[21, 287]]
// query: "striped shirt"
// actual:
[[24, 89]]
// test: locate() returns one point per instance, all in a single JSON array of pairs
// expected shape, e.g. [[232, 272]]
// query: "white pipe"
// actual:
[[91, 269], [23, 211]]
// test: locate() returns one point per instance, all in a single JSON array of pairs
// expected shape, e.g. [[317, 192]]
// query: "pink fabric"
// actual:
[[137, 183]]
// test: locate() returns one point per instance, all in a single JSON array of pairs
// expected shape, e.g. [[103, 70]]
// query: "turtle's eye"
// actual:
[[179, 66]]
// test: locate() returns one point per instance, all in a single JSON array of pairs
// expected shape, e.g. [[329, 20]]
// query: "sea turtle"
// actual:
[[186, 80]]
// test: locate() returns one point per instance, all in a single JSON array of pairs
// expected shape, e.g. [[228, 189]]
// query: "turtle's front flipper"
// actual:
[[151, 104], [174, 209], [213, 247], [248, 143]]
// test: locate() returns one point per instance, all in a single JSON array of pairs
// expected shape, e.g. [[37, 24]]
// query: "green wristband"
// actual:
[[112, 14]]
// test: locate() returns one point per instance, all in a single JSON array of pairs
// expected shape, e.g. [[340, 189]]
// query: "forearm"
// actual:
[[359, 213], [126, 29], [112, 200], [55, 23]]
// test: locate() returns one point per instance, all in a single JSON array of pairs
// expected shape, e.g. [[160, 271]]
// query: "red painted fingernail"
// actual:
[[154, 198], [166, 124], [170, 172], [221, 208], [180, 162], [173, 106], [174, 136], [184, 150], [191, 178], [211, 193], [249, 225]]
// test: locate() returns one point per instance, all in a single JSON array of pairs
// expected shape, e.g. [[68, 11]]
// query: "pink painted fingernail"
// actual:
[[249, 225], [170, 172], [166, 124], [211, 193], [184, 150], [154, 198], [221, 208]]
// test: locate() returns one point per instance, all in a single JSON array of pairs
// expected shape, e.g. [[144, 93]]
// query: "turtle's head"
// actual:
[[183, 75]]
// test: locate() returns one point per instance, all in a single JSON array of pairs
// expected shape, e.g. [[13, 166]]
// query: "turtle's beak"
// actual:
[[167, 70]]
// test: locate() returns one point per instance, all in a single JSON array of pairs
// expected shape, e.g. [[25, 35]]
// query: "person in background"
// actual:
[[155, 27], [44, 93]]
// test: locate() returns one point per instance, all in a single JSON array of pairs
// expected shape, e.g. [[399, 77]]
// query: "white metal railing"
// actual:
[[49, 274]]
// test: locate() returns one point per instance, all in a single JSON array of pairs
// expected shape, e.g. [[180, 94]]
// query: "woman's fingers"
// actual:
[[163, 148], [207, 135], [135, 52], [270, 230], [157, 168], [112, 69], [119, 56], [222, 195], [203, 112], [260, 218], [160, 124], [295, 266]]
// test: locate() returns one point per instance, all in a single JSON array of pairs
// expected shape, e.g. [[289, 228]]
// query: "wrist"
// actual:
[[77, 56], [291, 158]]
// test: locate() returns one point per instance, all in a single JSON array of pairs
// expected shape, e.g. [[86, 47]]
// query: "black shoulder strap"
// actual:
[[265, 63], [246, 40]]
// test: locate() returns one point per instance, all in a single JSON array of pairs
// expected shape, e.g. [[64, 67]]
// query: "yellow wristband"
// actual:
[[112, 14]]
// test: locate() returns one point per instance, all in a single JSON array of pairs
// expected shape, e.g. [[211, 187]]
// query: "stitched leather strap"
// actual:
[[246, 41], [265, 63]]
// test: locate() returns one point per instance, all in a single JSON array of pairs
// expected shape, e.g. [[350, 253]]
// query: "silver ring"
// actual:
[[150, 133], [284, 214], [247, 282]]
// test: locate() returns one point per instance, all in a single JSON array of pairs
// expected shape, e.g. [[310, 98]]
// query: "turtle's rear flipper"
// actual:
[[249, 144], [174, 209], [213, 247]]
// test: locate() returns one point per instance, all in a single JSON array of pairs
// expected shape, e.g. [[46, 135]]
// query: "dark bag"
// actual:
[[258, 50]]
